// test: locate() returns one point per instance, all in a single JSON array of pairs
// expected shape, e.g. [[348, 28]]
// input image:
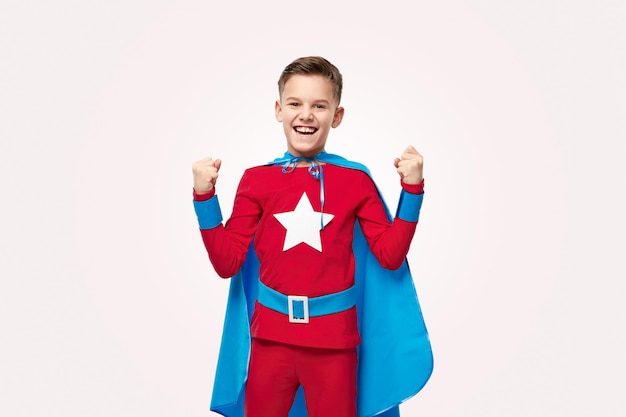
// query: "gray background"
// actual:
[[108, 303]]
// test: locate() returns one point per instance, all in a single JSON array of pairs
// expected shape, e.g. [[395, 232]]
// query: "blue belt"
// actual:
[[299, 308]]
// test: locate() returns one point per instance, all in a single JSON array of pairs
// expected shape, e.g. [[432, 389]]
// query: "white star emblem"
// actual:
[[303, 225]]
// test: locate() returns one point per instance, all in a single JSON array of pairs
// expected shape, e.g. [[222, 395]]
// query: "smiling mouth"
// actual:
[[305, 130]]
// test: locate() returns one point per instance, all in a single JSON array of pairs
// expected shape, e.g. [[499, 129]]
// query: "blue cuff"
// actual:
[[208, 212], [409, 206]]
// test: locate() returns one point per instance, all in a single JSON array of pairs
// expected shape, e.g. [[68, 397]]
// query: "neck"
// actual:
[[306, 158]]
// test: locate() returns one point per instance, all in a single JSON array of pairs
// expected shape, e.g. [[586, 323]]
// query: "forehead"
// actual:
[[314, 87]]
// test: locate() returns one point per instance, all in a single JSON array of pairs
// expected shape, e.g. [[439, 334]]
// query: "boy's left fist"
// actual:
[[410, 166]]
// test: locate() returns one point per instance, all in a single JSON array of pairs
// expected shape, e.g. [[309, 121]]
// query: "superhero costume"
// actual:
[[395, 358]]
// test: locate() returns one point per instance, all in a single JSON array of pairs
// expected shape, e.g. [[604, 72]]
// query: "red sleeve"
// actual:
[[203, 197], [227, 245], [390, 243], [413, 188]]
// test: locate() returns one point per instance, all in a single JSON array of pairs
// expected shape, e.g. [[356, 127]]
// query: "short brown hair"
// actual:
[[312, 65]]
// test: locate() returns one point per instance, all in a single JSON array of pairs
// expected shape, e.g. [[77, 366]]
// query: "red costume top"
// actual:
[[283, 213]]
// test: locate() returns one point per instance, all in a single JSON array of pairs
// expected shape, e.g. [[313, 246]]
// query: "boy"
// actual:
[[297, 225]]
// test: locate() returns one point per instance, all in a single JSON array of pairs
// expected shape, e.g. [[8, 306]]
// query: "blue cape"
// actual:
[[395, 356]]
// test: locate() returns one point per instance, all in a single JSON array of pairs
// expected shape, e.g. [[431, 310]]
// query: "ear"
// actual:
[[338, 117], [278, 110]]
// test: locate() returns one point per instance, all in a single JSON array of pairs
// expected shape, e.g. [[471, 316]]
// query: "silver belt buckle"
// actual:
[[305, 307]]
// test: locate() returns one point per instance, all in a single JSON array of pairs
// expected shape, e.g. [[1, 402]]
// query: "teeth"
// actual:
[[305, 129]]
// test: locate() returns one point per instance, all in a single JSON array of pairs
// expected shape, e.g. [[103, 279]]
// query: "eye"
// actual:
[[293, 104], [320, 106]]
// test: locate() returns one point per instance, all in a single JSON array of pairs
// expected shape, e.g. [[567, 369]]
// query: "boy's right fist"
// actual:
[[205, 172]]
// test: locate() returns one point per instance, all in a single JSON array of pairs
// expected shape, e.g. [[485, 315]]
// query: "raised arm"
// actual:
[[228, 244], [390, 243]]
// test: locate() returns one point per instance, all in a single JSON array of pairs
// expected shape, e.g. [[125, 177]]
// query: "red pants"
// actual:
[[328, 377]]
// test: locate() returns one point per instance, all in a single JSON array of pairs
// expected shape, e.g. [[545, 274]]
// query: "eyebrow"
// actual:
[[314, 101]]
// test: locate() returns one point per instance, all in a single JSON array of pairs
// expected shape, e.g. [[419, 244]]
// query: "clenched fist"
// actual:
[[205, 172], [410, 166]]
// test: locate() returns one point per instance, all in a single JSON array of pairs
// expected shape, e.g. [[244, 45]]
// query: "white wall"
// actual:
[[108, 304]]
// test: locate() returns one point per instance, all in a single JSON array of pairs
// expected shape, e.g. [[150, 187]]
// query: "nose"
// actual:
[[306, 113]]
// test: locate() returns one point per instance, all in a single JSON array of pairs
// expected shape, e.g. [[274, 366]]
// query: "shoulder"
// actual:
[[343, 162], [254, 176], [352, 180], [340, 170], [259, 171]]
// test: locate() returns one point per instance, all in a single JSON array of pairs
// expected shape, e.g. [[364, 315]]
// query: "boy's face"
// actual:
[[307, 109]]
